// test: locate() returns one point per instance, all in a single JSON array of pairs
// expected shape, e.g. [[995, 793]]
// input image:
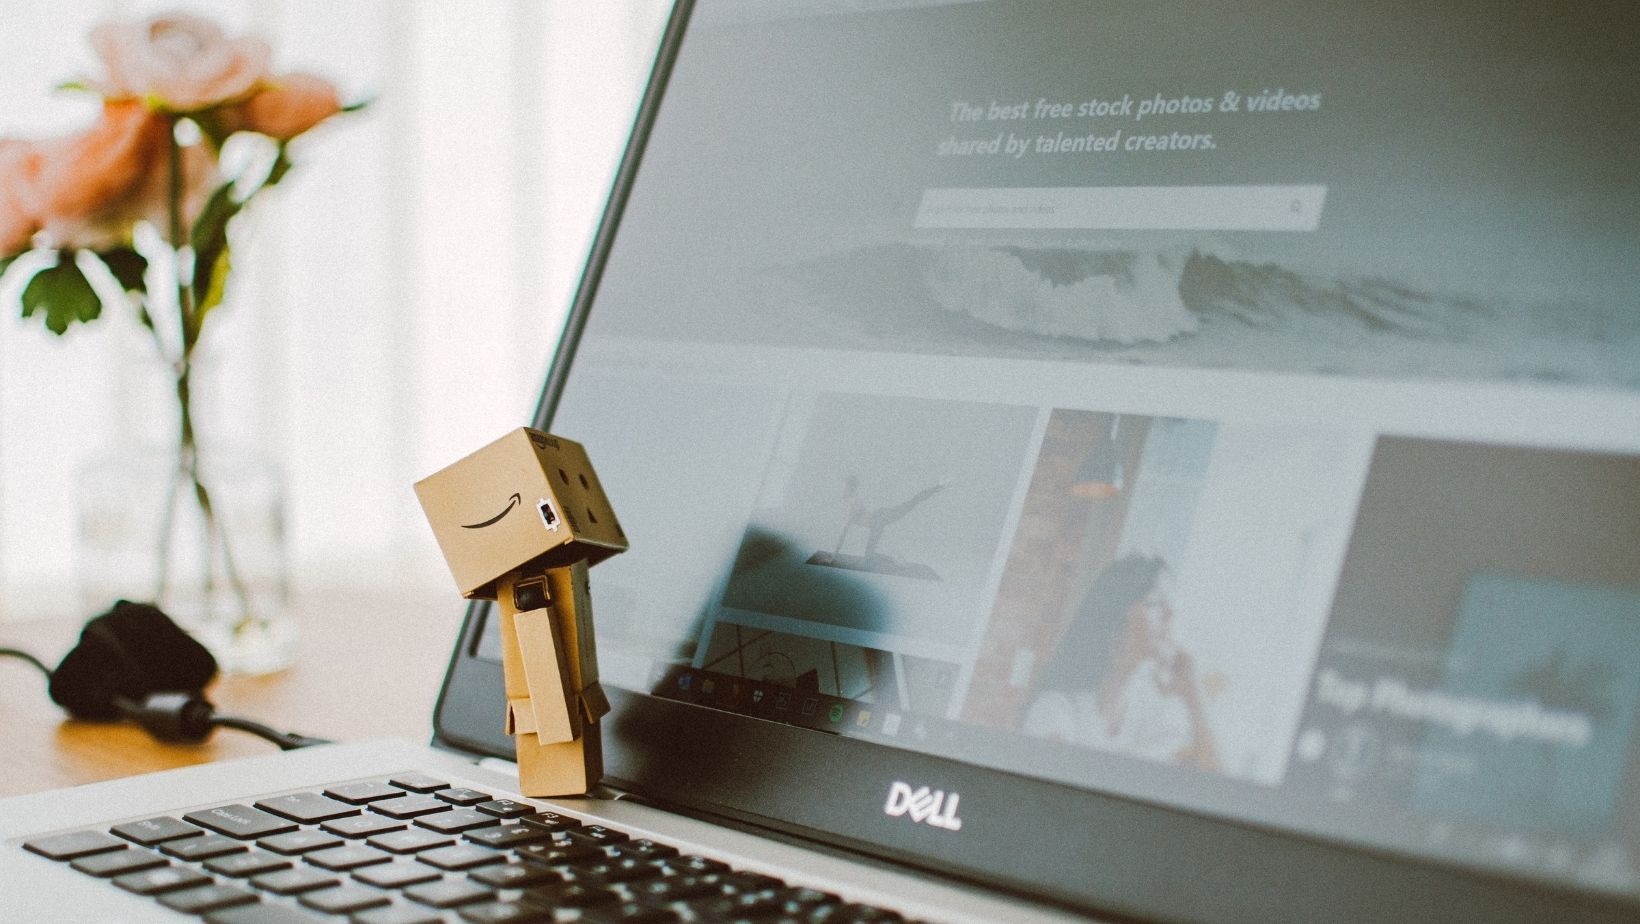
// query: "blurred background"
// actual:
[[394, 303]]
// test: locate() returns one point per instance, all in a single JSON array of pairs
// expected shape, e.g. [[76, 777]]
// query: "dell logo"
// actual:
[[933, 807]]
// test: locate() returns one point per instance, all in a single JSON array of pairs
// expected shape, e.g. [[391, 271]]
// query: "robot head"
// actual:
[[527, 499]]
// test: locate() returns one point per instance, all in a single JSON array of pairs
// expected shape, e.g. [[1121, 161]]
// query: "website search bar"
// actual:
[[1125, 208]]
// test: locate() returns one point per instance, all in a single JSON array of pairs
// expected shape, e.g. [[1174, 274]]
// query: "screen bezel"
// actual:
[[1086, 850]]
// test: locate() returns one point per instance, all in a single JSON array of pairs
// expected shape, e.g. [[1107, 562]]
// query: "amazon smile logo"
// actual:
[[512, 502]]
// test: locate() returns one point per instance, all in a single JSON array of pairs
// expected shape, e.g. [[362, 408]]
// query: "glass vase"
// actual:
[[210, 551]]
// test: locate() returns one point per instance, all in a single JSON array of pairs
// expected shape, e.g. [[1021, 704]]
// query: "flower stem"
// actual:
[[174, 233], [216, 535], [187, 440]]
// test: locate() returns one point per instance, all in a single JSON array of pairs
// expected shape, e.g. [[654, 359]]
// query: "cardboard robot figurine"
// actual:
[[520, 522]]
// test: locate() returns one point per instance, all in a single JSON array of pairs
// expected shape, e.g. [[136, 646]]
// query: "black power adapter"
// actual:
[[134, 663]]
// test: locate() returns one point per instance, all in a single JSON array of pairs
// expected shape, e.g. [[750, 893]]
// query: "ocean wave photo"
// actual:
[[1186, 305]]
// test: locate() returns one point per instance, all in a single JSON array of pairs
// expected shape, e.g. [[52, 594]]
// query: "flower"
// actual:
[[85, 191], [290, 105], [178, 62], [93, 185], [175, 88], [20, 165]]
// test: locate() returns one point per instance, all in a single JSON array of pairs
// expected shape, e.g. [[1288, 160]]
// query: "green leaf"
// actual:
[[355, 107], [75, 86], [64, 294], [212, 296], [281, 166], [128, 268], [213, 219], [210, 236]]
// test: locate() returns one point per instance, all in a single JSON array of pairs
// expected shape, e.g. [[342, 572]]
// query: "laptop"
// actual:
[[1162, 461]]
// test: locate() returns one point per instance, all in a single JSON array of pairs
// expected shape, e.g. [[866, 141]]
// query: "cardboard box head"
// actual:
[[529, 498]]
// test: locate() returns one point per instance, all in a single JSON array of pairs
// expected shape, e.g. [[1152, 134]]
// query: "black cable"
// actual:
[[287, 741], [14, 653], [182, 716]]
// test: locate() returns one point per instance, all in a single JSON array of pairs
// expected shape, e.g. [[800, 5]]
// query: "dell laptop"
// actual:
[[1135, 461]]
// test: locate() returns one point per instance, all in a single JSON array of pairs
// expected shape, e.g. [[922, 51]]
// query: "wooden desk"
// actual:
[[365, 668]]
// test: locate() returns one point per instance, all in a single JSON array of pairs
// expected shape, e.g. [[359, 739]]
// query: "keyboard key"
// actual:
[[610, 872], [733, 907], [516, 912], [507, 836], [360, 793], [396, 875], [202, 848], [307, 807], [456, 821], [161, 879], [410, 841], [448, 893], [554, 854], [550, 821], [599, 836], [253, 863], [630, 913], [74, 845], [516, 876], [646, 849], [419, 782], [361, 825], [864, 914], [294, 881], [346, 857], [398, 914], [151, 831], [240, 821], [743, 881], [296, 842], [571, 896], [260, 914], [117, 862], [460, 857], [462, 796], [343, 899], [675, 889], [206, 898], [696, 865], [506, 808], [409, 806], [800, 900]]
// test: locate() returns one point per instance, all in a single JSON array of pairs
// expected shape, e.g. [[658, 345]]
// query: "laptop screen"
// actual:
[[1230, 406]]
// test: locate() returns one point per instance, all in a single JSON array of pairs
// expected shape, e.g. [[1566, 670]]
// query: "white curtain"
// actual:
[[394, 303]]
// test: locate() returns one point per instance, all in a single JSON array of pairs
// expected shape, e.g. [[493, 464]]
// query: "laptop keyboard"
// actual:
[[412, 849]]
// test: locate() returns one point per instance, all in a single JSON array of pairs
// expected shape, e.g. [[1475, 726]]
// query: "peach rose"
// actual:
[[179, 62], [20, 165], [291, 104], [102, 165], [93, 186]]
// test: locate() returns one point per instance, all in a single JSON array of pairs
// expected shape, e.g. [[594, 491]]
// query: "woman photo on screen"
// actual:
[[1119, 681]]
